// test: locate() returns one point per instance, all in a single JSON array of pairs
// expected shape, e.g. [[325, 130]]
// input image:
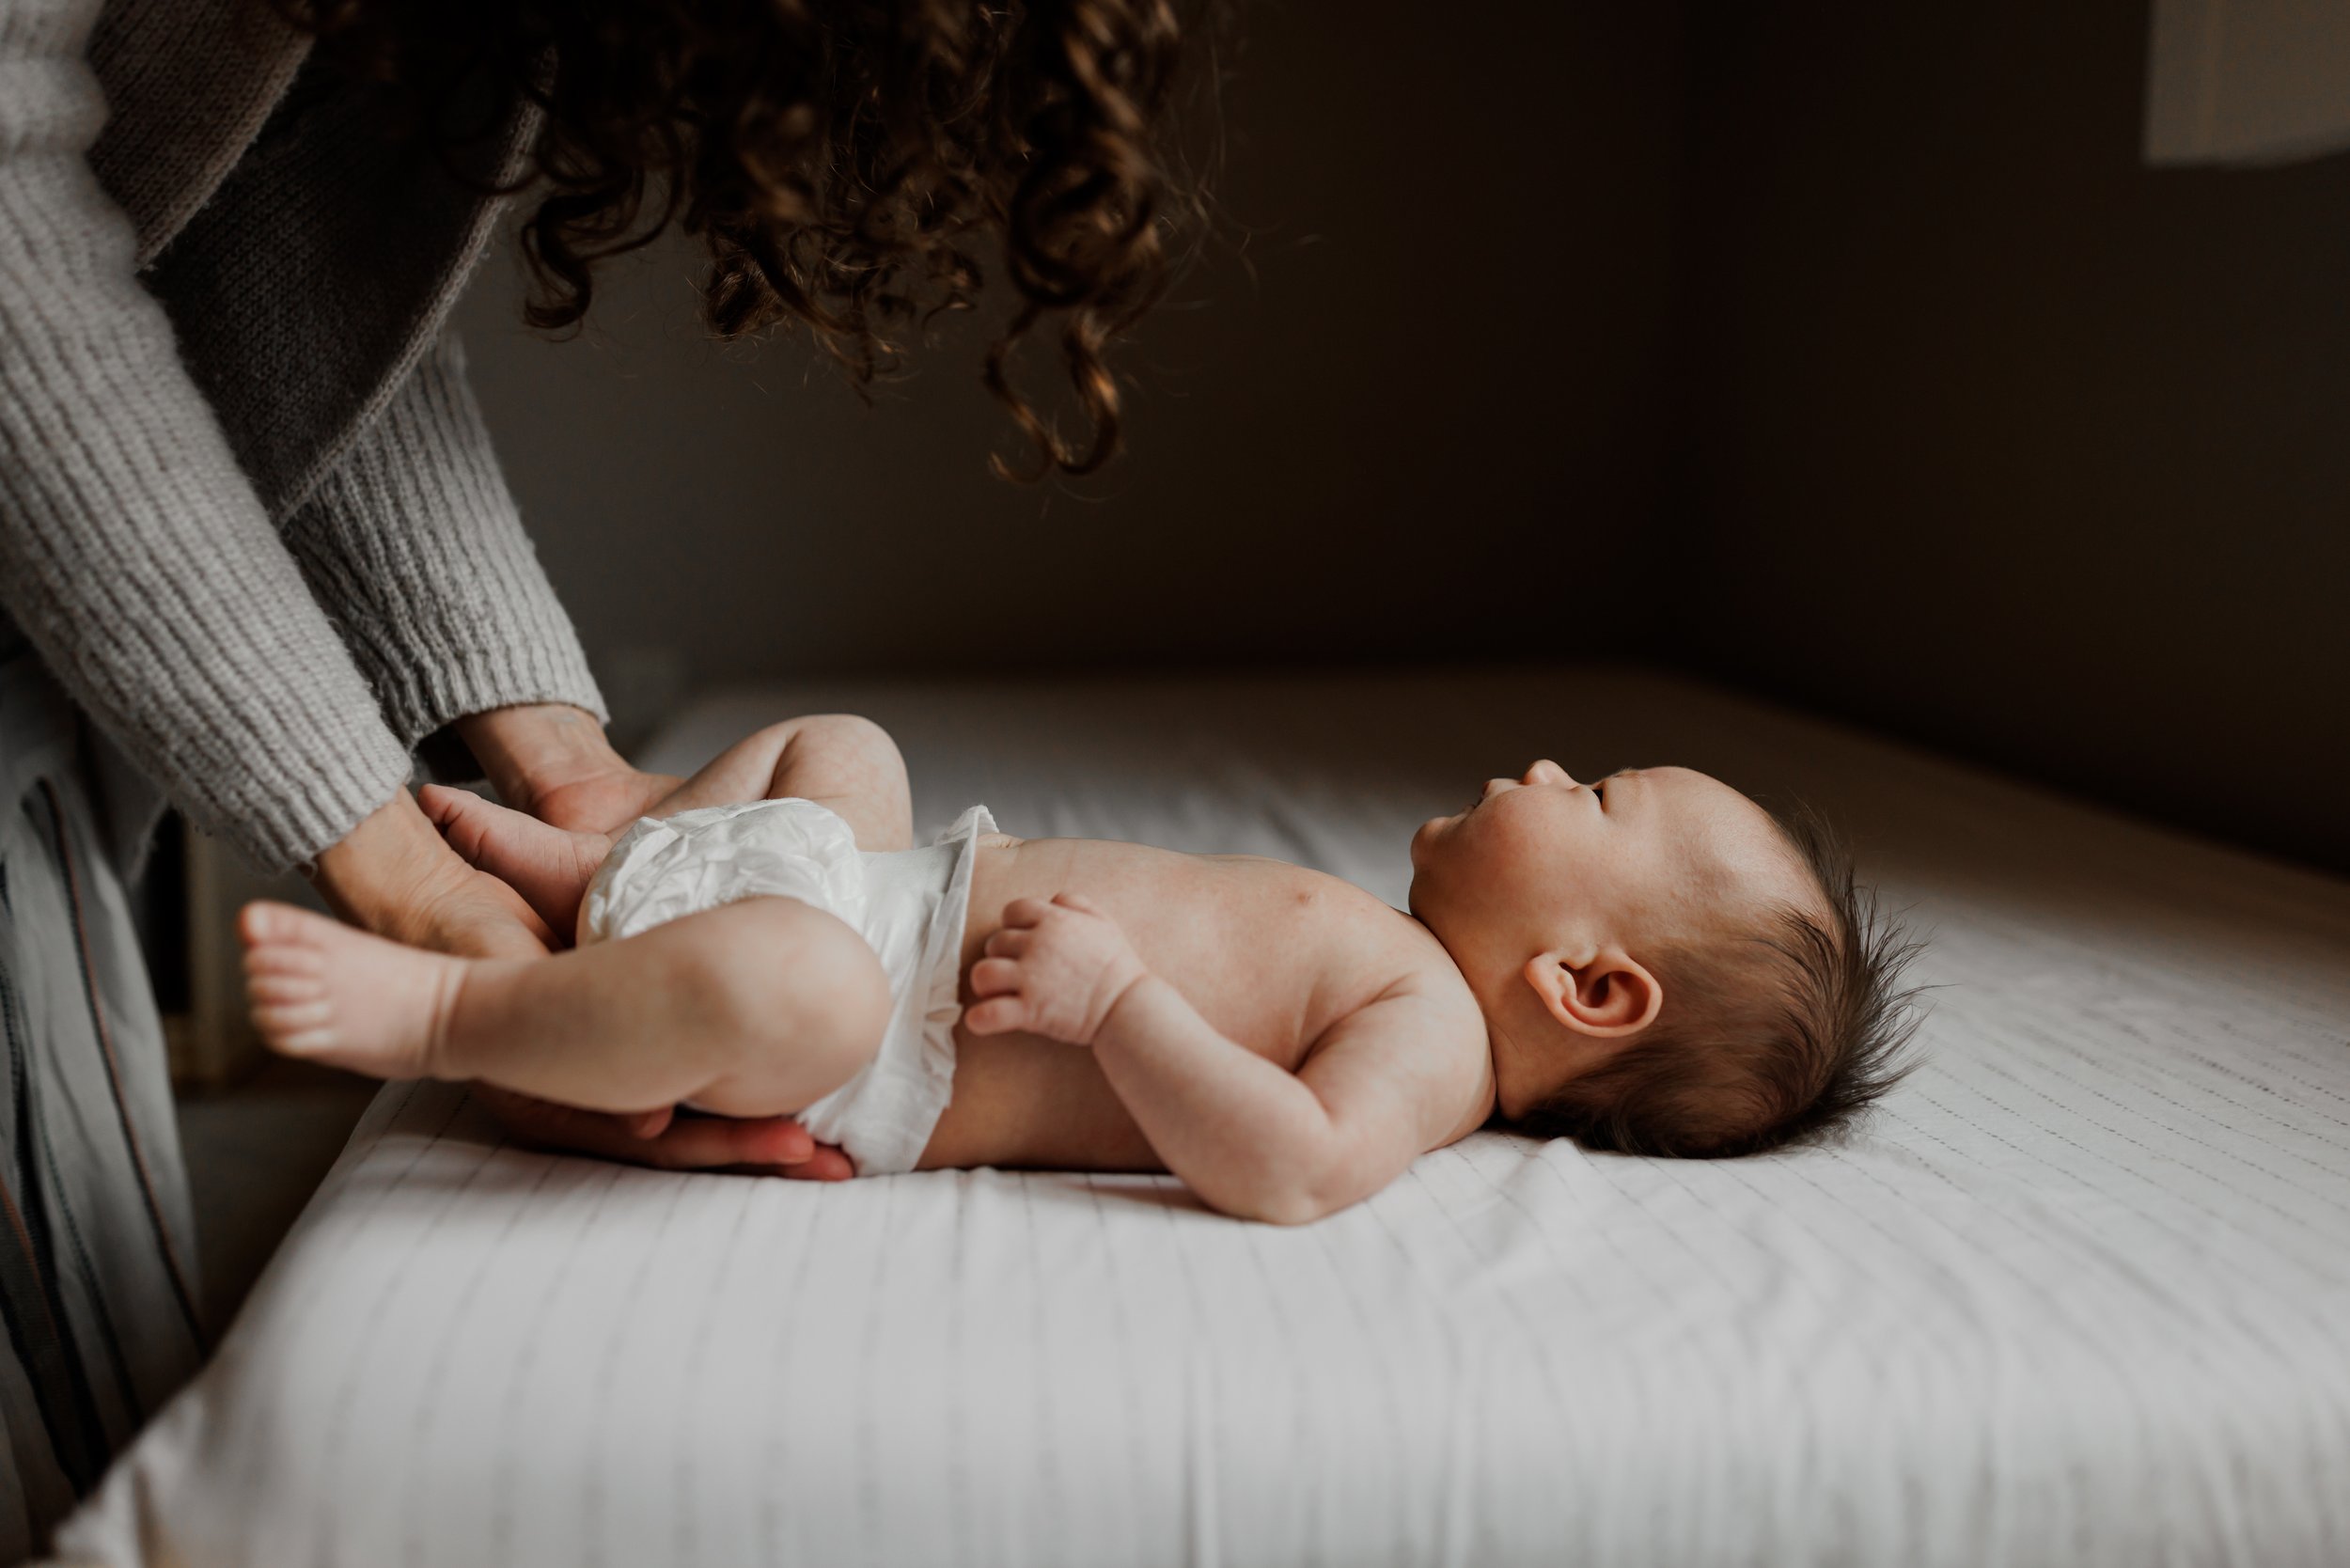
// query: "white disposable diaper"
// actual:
[[910, 906]]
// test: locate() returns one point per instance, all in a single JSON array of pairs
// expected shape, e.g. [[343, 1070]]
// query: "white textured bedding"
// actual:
[[2079, 1294]]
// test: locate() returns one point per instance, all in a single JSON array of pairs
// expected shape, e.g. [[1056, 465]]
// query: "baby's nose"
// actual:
[[1546, 771]]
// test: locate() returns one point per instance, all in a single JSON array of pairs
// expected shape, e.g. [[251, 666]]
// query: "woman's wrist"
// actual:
[[372, 877], [532, 749], [394, 875]]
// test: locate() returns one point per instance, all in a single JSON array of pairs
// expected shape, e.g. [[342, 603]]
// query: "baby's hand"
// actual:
[[1055, 969]]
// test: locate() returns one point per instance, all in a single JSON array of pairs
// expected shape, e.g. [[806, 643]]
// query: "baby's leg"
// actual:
[[755, 1009], [837, 760]]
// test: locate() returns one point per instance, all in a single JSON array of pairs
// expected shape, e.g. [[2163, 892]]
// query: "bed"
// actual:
[[2078, 1293]]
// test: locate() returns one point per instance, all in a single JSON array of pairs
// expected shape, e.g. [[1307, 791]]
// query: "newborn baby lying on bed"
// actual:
[[1647, 963]]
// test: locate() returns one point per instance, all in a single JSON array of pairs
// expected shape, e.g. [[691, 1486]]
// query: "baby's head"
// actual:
[[1665, 968]]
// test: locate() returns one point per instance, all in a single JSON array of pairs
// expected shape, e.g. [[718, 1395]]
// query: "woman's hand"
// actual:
[[604, 803], [553, 762], [771, 1146], [393, 875]]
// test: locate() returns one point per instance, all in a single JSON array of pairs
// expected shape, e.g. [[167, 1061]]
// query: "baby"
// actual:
[[1649, 962]]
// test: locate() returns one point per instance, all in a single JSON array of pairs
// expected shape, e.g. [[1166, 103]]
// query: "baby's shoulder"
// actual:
[[1422, 1037], [1407, 972]]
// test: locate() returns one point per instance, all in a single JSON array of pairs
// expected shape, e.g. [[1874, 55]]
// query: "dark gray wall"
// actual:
[[2000, 440], [1434, 388], [1848, 353]]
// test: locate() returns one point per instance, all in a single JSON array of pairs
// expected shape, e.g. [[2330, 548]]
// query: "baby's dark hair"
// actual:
[[1783, 1036]]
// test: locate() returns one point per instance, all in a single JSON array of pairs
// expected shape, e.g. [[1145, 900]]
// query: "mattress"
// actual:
[[2077, 1294]]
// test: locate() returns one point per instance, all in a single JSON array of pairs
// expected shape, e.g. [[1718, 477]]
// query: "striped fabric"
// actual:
[[2079, 1294], [97, 1259]]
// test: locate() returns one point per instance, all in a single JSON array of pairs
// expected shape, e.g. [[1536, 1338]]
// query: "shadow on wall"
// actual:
[[1440, 363], [2000, 439]]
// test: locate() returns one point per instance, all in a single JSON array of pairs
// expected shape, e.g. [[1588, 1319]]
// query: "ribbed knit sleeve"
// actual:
[[414, 545], [133, 551]]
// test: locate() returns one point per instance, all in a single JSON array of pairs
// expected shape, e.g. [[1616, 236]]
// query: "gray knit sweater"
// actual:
[[249, 515]]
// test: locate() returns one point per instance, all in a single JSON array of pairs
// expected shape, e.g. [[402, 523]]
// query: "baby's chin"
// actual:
[[1426, 834], [1426, 855], [1416, 897]]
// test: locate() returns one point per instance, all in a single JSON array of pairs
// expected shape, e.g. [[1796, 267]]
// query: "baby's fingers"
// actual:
[[995, 976], [996, 1015], [1026, 912], [1008, 943]]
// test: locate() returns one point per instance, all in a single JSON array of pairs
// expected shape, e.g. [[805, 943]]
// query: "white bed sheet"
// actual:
[[2079, 1294]]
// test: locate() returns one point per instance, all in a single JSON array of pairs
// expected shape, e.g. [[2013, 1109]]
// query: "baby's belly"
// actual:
[[1021, 1101]]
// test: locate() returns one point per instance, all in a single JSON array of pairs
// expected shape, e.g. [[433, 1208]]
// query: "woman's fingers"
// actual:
[[652, 1123], [826, 1164], [686, 1143], [715, 1142]]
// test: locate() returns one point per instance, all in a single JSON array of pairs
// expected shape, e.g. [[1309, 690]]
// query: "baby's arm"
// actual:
[[1249, 1137]]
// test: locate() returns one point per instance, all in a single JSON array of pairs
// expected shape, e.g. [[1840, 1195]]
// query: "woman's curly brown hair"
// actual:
[[838, 157]]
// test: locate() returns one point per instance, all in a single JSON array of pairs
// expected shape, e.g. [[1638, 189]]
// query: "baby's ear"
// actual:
[[1604, 992]]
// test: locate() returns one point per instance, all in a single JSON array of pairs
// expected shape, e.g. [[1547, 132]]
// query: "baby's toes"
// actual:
[[265, 987], [264, 924], [282, 937], [291, 961], [294, 1024]]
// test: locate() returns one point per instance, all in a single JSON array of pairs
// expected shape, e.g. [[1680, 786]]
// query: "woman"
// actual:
[[255, 550]]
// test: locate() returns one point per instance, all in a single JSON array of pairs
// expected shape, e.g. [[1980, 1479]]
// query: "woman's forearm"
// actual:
[[133, 550], [415, 546], [1246, 1136]]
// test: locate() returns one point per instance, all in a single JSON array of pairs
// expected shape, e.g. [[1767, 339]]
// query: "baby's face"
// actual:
[[1641, 857], [1651, 850]]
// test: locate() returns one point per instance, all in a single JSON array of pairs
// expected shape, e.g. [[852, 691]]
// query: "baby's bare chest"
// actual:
[[1271, 954]]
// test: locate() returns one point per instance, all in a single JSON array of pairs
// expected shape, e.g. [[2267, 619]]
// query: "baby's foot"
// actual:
[[326, 992], [549, 866]]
